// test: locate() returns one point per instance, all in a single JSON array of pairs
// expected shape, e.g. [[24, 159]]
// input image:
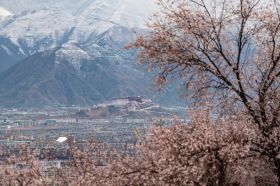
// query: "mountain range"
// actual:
[[71, 52]]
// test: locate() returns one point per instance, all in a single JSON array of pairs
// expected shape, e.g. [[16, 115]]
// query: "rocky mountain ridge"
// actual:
[[71, 56]]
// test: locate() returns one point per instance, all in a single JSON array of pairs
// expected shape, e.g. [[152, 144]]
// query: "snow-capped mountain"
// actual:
[[70, 52], [127, 13], [37, 30], [18, 6], [132, 13], [44, 28]]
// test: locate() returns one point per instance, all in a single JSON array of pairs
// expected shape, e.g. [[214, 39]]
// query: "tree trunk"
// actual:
[[277, 166]]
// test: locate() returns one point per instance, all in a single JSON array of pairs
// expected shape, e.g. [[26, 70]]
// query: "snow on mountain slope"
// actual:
[[4, 12], [128, 13], [44, 28], [37, 30], [79, 39], [18, 6], [73, 54]]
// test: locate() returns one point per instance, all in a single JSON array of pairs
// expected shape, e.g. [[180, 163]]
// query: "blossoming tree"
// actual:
[[224, 51]]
